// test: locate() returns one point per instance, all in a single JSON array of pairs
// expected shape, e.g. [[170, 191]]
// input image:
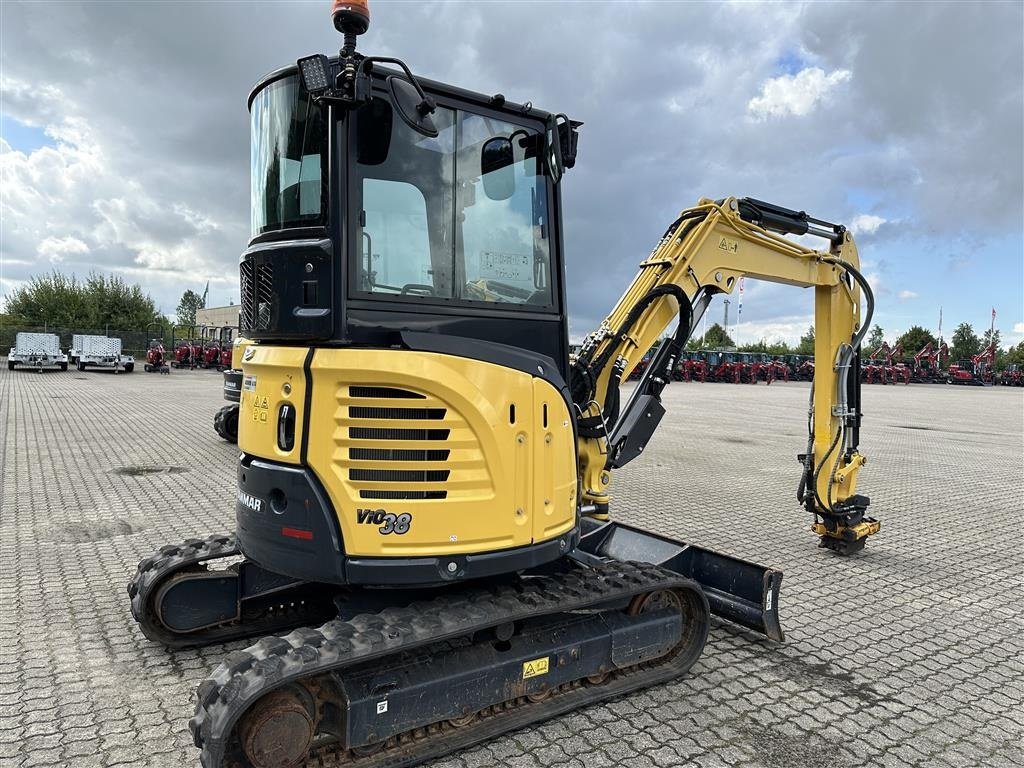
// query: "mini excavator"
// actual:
[[424, 470]]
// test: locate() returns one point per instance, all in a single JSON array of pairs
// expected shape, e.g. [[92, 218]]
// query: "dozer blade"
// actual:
[[743, 593]]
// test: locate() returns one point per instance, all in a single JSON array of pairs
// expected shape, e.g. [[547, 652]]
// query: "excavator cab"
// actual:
[[366, 226]]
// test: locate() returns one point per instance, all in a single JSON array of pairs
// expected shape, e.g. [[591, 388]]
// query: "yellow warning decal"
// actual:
[[535, 668]]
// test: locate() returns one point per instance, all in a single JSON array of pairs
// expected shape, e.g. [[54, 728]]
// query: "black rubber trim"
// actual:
[[307, 404], [409, 571]]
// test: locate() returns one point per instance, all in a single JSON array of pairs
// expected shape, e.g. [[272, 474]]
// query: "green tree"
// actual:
[[187, 307], [63, 301], [989, 337], [875, 338], [773, 348], [1014, 355], [715, 338], [915, 339], [966, 343], [806, 345]]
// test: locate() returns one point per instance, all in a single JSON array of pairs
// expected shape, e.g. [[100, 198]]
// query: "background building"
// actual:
[[216, 317]]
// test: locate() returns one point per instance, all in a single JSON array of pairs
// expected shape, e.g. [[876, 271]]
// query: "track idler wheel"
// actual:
[[278, 730], [655, 601]]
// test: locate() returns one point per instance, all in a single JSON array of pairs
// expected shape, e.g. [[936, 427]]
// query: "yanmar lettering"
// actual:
[[252, 502]]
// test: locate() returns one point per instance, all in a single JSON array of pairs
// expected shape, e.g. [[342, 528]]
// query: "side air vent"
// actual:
[[257, 295], [384, 392], [372, 469]]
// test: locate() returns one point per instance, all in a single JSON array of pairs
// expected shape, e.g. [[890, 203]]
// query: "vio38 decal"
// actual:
[[389, 523]]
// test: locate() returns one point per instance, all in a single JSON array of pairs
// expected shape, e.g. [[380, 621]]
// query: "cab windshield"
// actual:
[[288, 153], [428, 228]]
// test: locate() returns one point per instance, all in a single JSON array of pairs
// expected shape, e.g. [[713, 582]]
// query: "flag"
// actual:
[[993, 313]]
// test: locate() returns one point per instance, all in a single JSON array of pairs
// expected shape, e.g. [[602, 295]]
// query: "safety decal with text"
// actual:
[[535, 668]]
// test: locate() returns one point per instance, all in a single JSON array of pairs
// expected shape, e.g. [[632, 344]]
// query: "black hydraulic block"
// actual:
[[633, 432]]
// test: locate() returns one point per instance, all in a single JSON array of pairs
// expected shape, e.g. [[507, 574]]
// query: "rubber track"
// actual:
[[169, 560], [220, 422], [245, 676]]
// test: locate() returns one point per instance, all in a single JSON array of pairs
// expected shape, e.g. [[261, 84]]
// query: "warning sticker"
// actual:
[[535, 668], [249, 383], [729, 245], [260, 408]]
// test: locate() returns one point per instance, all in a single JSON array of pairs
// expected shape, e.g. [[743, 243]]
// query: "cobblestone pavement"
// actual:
[[911, 653]]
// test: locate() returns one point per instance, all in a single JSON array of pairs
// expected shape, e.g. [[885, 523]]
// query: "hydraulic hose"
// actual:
[[586, 370], [843, 363]]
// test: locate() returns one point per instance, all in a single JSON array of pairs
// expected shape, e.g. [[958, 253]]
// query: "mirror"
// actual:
[[497, 169], [410, 106], [553, 150]]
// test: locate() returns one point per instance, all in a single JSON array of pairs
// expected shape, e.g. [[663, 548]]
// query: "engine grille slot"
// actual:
[[396, 454], [257, 295], [403, 495], [399, 475], [381, 433], [427, 414], [377, 405], [379, 392]]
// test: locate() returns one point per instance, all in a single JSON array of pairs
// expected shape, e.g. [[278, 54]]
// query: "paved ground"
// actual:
[[910, 654]]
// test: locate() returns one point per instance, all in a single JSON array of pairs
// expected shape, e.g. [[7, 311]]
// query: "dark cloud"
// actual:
[[927, 120]]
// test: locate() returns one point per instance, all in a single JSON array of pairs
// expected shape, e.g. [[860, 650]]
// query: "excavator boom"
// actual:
[[705, 252]]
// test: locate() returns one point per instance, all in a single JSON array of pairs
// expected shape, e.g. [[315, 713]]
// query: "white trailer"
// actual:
[[37, 350], [99, 352]]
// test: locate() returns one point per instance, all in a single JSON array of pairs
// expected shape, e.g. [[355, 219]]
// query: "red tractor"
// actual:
[[975, 372], [876, 370], [156, 355], [927, 362], [638, 371], [777, 369], [187, 350], [1013, 376], [692, 367], [226, 339], [895, 367], [209, 349], [726, 368]]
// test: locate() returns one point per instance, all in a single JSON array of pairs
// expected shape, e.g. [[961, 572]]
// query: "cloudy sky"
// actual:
[[125, 134]]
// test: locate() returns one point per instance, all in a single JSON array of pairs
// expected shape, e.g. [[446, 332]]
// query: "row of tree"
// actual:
[[965, 343], [100, 301]]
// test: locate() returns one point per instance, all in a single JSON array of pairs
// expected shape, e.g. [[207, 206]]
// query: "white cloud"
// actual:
[[866, 224], [795, 94], [77, 204], [56, 248], [904, 295], [788, 328], [1018, 328]]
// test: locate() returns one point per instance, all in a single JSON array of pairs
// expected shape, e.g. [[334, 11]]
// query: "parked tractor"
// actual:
[[156, 354], [977, 371], [186, 349]]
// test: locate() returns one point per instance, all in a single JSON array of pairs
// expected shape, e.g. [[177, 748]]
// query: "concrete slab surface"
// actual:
[[909, 654]]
